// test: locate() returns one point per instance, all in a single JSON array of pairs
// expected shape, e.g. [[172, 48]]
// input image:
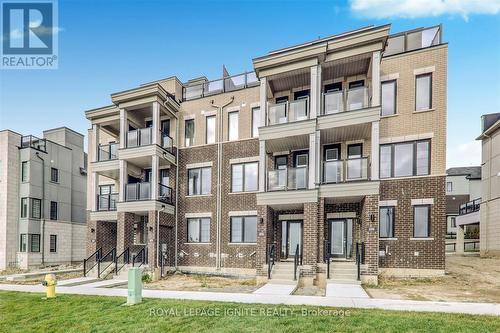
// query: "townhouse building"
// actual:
[[42, 198], [331, 150]]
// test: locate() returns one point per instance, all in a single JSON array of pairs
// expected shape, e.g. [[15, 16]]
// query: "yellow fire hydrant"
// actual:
[[50, 282]]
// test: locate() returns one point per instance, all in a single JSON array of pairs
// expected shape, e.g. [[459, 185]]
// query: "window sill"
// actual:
[[389, 116], [422, 238], [53, 182], [426, 110], [198, 195], [245, 192], [242, 244], [388, 239], [197, 243]]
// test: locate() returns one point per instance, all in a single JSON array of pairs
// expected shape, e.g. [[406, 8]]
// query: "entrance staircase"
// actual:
[[344, 272]]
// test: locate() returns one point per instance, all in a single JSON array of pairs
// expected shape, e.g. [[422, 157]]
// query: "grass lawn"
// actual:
[[27, 312]]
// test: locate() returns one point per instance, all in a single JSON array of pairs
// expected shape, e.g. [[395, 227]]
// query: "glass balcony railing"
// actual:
[[219, 86], [333, 102], [288, 112], [106, 202], [470, 207], [357, 98], [144, 137], [287, 179], [142, 191], [345, 100], [413, 40], [345, 170], [108, 152]]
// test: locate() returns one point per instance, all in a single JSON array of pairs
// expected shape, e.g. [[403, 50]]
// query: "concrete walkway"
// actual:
[[349, 302], [277, 288], [345, 290]]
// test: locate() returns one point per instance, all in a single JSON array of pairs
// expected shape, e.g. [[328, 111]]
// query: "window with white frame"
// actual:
[[244, 229], [421, 221], [233, 125], [198, 230], [200, 181], [34, 241], [449, 186], [423, 92], [36, 208], [210, 130], [24, 171], [245, 177], [255, 122], [386, 222], [189, 132], [53, 243], [23, 243], [54, 175], [388, 98]]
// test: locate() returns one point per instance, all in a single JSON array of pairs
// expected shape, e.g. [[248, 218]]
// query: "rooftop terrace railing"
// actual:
[[230, 83], [413, 40], [31, 141]]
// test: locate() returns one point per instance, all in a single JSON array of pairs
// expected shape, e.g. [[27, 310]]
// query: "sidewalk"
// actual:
[[362, 303]]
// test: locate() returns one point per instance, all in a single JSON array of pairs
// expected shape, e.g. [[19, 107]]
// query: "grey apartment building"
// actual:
[[332, 150], [42, 198]]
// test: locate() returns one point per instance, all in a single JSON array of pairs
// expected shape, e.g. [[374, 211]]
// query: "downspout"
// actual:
[[219, 178], [158, 235], [42, 210]]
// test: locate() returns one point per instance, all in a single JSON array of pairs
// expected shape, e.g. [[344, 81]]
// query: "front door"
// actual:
[[291, 237], [341, 238]]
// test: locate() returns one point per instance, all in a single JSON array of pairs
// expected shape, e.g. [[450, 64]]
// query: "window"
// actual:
[[386, 225], [453, 222], [36, 208], [199, 181], [244, 229], [189, 133], [24, 171], [54, 175], [53, 243], [34, 242], [423, 92], [24, 207], [405, 159], [53, 210], [244, 177], [140, 231], [23, 243], [255, 122], [198, 230], [210, 130], [233, 126], [388, 98], [421, 221], [449, 187]]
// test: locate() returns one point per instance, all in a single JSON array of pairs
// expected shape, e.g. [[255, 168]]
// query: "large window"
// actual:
[[255, 122], [53, 243], [53, 210], [24, 171], [54, 175], [36, 208], [423, 92], [244, 177], [388, 98], [405, 159], [34, 240], [421, 221], [386, 224], [189, 132], [24, 207], [244, 229], [198, 230], [199, 181], [233, 125], [210, 130]]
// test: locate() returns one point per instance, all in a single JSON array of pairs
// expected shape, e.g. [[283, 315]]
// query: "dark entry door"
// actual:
[[340, 238], [291, 236]]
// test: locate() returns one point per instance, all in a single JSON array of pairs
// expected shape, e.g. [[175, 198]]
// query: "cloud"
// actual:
[[380, 9], [464, 154]]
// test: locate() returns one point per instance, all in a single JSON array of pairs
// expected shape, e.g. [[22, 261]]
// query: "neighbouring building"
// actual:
[[463, 195], [329, 150], [490, 198], [42, 198]]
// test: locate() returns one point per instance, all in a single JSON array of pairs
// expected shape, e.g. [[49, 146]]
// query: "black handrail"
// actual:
[[142, 254], [327, 256], [126, 260], [97, 255], [360, 257], [270, 258], [296, 261], [111, 253]]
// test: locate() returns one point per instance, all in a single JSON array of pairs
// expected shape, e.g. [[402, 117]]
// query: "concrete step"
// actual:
[[344, 281], [282, 281], [282, 276], [76, 281], [343, 276]]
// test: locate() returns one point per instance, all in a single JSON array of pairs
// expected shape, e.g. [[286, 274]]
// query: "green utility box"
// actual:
[[134, 286]]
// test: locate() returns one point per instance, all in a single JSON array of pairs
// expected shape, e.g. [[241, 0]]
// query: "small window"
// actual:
[[449, 186], [388, 98], [140, 231], [453, 222], [53, 210], [386, 225], [189, 133], [421, 221], [210, 130], [34, 242], [423, 92], [24, 207], [233, 126], [36, 208], [255, 122], [198, 230], [24, 171], [53, 243], [54, 175], [244, 229], [199, 181], [281, 162], [244, 177], [23, 242]]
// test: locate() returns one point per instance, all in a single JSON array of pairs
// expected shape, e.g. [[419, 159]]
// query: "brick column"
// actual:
[[91, 237], [369, 235], [310, 239], [321, 229], [264, 237], [124, 231]]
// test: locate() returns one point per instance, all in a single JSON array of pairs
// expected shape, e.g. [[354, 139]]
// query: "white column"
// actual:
[[315, 91], [318, 157], [262, 166], [312, 161], [376, 78], [95, 148], [156, 124], [94, 178], [155, 169], [123, 128], [263, 101], [123, 179], [375, 150]]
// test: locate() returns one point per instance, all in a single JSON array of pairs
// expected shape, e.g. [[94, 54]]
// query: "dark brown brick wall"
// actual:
[[369, 233], [104, 236], [166, 220]]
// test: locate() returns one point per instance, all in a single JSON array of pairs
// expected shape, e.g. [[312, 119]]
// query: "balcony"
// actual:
[[108, 152], [413, 40], [220, 86], [142, 191], [345, 170], [144, 137], [469, 207], [31, 141], [287, 179], [107, 202], [288, 112], [345, 100]]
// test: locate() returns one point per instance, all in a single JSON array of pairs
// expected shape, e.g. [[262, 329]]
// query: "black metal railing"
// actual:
[[165, 193], [108, 152], [105, 262], [31, 141], [360, 257], [470, 207], [141, 258], [122, 260], [106, 202], [327, 257], [469, 248], [91, 261], [297, 260], [271, 253], [226, 84]]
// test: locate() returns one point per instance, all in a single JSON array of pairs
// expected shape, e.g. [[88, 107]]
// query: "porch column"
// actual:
[[315, 91], [156, 140], [375, 150], [312, 161], [376, 78], [94, 178], [123, 180], [459, 245], [262, 166], [155, 167], [95, 133], [123, 128], [263, 101]]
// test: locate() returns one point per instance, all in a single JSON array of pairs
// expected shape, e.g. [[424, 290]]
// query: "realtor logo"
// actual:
[[29, 35]]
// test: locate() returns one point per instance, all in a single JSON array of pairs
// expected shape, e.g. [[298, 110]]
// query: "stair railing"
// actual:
[[296, 261], [125, 257], [327, 256], [140, 257], [270, 258], [111, 256], [90, 262], [360, 257]]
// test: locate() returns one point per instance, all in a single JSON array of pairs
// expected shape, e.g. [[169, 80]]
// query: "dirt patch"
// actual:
[[198, 282], [38, 280], [467, 279]]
